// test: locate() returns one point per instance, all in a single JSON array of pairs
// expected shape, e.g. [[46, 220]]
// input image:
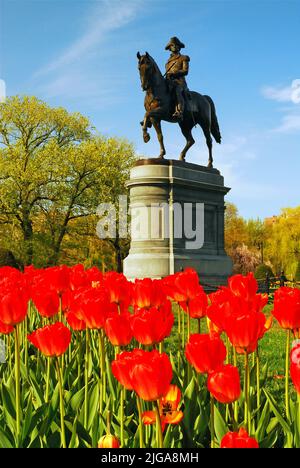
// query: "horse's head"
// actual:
[[146, 68]]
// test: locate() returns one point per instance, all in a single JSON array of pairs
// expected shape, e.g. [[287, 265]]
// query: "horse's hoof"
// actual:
[[210, 165], [181, 158], [161, 156], [146, 137]]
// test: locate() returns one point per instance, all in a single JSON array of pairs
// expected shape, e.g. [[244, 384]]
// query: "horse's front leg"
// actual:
[[157, 126], [145, 125]]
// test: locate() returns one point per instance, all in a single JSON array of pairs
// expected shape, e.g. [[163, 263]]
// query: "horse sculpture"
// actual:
[[159, 105]]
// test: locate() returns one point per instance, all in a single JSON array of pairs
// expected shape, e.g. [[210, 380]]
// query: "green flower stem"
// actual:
[[212, 422], [61, 405], [179, 326], [102, 370], [287, 371], [253, 359], [257, 382], [247, 388], [47, 380], [199, 325], [86, 375], [9, 352], [236, 405], [123, 390], [17, 383], [189, 368], [25, 340], [183, 330], [79, 343], [161, 347], [141, 427], [227, 349], [179, 336], [188, 325], [234, 423], [159, 434]]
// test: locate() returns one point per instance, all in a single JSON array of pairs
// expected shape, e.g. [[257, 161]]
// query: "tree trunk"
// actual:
[[26, 226], [118, 250]]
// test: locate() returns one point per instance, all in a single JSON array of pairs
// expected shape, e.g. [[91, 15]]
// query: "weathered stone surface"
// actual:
[[159, 190]]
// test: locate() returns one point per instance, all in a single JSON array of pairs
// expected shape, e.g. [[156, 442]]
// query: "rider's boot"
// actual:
[[178, 114]]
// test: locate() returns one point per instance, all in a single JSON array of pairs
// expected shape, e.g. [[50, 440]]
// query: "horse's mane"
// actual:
[[155, 65]]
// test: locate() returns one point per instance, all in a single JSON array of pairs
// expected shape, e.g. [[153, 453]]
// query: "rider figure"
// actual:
[[177, 68]]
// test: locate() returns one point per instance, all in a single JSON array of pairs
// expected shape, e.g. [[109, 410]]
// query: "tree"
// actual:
[[257, 235], [262, 270], [297, 272], [283, 245], [244, 260], [54, 170], [235, 229]]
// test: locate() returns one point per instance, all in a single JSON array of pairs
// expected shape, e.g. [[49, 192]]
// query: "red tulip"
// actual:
[[6, 329], [58, 277], [13, 306], [119, 289], [224, 384], [148, 293], [46, 302], [295, 367], [239, 439], [75, 323], [108, 441], [150, 326], [148, 373], [220, 308], [239, 299], [205, 352], [168, 408], [197, 307], [118, 329], [287, 308], [244, 331], [243, 286], [183, 286], [92, 306], [52, 340]]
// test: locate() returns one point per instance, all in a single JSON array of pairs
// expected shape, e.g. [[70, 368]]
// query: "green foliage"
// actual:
[[275, 241], [262, 270], [54, 172], [7, 258], [297, 273]]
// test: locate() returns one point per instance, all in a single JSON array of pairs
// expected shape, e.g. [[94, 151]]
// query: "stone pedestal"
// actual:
[[170, 202]]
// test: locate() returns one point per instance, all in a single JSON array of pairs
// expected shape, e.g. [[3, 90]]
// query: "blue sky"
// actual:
[[81, 54]]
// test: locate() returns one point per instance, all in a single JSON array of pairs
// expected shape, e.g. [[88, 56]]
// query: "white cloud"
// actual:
[[290, 93], [107, 17], [82, 70], [289, 124]]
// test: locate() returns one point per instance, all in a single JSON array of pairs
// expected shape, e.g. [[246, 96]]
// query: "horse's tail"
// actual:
[[215, 130]]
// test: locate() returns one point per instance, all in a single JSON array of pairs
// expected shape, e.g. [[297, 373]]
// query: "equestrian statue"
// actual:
[[168, 98]]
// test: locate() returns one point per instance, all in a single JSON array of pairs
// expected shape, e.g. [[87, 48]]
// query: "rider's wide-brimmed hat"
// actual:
[[174, 40]]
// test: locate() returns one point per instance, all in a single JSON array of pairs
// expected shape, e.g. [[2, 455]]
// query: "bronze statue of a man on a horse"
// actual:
[[168, 98]]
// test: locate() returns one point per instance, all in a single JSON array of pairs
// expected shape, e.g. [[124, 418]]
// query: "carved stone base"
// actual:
[[172, 202]]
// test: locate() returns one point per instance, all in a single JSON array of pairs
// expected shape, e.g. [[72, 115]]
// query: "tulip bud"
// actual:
[[108, 441]]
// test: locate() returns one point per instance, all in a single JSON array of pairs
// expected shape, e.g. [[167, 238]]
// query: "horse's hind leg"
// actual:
[[206, 131], [187, 133], [157, 126]]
